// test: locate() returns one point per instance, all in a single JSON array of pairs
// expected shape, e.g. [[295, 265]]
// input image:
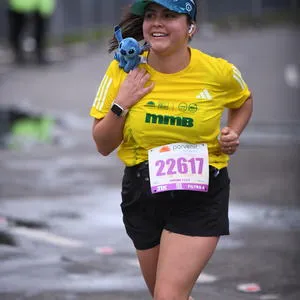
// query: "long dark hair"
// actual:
[[132, 26]]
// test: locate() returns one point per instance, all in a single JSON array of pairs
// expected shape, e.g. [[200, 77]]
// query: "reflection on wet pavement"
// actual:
[[78, 226]]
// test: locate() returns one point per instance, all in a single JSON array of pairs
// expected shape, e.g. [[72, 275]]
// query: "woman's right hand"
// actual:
[[133, 88]]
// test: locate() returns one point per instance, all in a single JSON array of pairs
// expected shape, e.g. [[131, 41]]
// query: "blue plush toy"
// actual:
[[128, 53]]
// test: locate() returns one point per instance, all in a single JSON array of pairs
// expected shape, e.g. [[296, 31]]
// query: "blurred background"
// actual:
[[61, 233], [78, 16]]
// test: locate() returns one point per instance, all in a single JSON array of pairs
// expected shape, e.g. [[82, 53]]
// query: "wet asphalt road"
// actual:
[[60, 203]]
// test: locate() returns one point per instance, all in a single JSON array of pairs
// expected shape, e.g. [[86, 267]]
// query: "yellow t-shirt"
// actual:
[[186, 106]]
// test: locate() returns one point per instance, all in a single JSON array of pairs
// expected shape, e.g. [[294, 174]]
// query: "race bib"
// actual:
[[179, 166]]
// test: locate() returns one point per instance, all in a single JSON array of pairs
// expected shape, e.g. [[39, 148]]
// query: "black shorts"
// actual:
[[191, 213]]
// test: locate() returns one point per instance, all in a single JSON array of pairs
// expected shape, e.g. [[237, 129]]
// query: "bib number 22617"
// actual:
[[179, 166]]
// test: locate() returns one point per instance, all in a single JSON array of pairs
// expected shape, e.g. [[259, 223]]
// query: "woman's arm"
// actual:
[[239, 118], [108, 132], [237, 121]]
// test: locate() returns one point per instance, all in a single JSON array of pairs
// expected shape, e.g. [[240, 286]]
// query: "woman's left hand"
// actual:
[[229, 140]]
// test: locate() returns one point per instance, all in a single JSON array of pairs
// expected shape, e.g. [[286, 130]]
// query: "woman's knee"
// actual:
[[166, 292]]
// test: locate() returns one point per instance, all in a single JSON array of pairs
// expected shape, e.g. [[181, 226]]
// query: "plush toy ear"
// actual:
[[118, 33]]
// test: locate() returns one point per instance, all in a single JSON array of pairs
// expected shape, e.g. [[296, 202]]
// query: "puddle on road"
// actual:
[[92, 217], [99, 221], [101, 208], [75, 283], [264, 216]]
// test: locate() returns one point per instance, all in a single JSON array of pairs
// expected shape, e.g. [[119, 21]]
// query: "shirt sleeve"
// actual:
[[106, 93], [236, 91]]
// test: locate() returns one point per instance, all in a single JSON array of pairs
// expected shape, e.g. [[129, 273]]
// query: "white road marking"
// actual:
[[206, 278], [58, 240], [269, 297], [133, 262], [47, 237], [292, 76]]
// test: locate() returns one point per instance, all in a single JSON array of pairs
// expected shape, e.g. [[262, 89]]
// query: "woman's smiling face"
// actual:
[[164, 29]]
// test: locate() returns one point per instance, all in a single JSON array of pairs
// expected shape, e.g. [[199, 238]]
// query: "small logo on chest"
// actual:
[[204, 95]]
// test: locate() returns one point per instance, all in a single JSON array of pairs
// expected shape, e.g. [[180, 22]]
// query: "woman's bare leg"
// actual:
[[148, 264], [181, 260]]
